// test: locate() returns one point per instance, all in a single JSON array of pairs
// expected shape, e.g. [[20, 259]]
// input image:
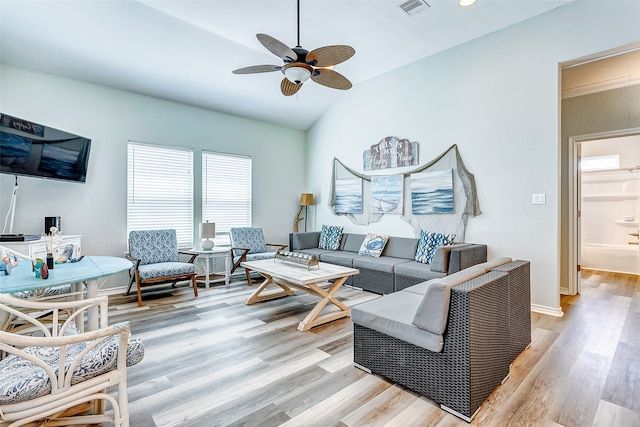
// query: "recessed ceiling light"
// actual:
[[466, 3]]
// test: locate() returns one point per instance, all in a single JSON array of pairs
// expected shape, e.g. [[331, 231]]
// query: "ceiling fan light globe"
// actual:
[[297, 75]]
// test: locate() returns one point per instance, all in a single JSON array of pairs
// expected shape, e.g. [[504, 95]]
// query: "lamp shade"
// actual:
[[306, 199], [207, 230]]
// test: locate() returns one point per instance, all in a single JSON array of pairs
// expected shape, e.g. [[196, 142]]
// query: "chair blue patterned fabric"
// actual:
[[50, 366], [157, 260], [248, 244], [22, 379]]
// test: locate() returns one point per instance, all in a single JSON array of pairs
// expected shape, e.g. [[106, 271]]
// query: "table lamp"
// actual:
[[207, 231]]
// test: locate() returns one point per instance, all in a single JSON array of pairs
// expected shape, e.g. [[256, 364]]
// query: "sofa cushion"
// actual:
[[392, 315], [339, 258], [312, 251], [401, 247], [417, 269], [352, 242], [440, 261], [428, 243], [433, 312], [373, 244], [459, 277], [385, 263], [330, 236]]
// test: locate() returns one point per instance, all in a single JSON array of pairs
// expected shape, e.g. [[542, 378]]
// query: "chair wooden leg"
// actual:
[[246, 270], [195, 285], [138, 286]]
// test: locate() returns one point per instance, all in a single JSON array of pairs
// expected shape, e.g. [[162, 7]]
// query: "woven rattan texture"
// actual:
[[473, 361], [379, 282], [519, 304], [402, 282]]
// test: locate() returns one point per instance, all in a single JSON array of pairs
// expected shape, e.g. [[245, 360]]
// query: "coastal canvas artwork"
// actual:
[[432, 192], [348, 195], [386, 194]]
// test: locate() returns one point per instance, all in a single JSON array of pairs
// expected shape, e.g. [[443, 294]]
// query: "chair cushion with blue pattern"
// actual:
[[154, 246], [22, 380], [248, 237], [165, 269]]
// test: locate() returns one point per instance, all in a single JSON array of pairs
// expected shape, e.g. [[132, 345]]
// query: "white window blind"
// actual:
[[226, 192], [160, 190]]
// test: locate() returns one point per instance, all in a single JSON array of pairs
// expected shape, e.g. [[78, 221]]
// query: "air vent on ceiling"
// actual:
[[411, 7]]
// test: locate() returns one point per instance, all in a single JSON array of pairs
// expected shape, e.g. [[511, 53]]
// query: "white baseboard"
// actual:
[[543, 309]]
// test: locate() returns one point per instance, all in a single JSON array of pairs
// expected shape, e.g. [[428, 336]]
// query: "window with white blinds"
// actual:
[[226, 192], [160, 190]]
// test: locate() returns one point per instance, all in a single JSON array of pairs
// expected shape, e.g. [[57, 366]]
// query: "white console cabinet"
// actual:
[[38, 248]]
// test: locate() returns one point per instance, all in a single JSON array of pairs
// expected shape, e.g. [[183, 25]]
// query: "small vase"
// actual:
[[50, 262]]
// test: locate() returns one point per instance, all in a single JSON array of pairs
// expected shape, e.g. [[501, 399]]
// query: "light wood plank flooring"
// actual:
[[214, 361]]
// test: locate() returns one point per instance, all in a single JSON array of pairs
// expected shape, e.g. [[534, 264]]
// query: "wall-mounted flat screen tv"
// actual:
[[31, 149]]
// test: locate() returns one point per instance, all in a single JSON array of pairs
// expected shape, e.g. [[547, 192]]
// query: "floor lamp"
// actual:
[[306, 200]]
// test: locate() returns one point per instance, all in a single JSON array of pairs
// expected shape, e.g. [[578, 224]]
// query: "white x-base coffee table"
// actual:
[[287, 275]]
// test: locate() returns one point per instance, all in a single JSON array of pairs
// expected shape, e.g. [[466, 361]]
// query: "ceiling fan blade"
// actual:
[[330, 79], [289, 88], [276, 47], [330, 55], [257, 69]]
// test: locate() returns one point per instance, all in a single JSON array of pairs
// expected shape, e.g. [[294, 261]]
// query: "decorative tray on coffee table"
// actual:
[[297, 258]]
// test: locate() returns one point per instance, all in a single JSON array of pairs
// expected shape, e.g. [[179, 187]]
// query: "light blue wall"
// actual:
[[497, 98], [97, 210]]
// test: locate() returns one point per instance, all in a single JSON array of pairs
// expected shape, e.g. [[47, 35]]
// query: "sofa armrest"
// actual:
[[305, 240], [441, 257], [467, 256]]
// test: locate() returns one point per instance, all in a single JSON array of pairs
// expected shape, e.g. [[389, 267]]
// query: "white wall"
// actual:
[[497, 98], [97, 210]]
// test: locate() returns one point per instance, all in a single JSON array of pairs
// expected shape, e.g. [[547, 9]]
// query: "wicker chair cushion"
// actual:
[[165, 269], [433, 312], [46, 292], [248, 237], [22, 380], [154, 246], [392, 315]]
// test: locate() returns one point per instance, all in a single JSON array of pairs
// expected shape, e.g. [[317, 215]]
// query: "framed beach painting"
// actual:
[[432, 192], [386, 194], [348, 196]]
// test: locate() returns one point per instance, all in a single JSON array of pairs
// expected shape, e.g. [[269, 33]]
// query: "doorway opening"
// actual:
[[608, 203]]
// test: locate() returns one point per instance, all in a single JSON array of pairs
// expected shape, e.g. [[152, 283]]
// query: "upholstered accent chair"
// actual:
[[48, 368], [248, 244], [157, 260]]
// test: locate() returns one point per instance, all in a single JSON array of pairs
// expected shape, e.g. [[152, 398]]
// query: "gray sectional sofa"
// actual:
[[395, 269], [452, 338]]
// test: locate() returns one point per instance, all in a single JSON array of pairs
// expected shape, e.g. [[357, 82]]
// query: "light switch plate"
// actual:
[[539, 199]]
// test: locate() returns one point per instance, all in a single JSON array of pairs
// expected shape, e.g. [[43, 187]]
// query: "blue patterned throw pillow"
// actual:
[[373, 244], [429, 242], [330, 236]]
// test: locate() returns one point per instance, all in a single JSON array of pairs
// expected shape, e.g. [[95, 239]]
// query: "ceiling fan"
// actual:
[[300, 64]]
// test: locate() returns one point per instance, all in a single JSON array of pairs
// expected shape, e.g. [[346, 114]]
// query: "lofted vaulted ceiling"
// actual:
[[185, 50]]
